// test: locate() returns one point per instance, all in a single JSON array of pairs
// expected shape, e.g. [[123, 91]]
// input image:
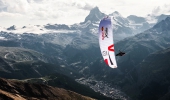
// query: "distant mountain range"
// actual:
[[73, 51], [122, 27]]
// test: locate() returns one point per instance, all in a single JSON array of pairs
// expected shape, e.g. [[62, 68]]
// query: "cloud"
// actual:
[[14, 6], [2, 6], [49, 11], [165, 9], [38, 1], [84, 6], [88, 7], [156, 11], [72, 11]]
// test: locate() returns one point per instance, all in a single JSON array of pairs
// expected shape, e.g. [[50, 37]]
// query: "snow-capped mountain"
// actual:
[[81, 39], [119, 18], [76, 46], [136, 19], [94, 15], [161, 17], [138, 24], [122, 27], [69, 41]]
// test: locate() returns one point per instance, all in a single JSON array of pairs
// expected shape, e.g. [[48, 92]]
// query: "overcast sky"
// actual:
[[38, 12]]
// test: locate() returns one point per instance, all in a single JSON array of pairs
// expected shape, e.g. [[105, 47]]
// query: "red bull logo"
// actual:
[[104, 32]]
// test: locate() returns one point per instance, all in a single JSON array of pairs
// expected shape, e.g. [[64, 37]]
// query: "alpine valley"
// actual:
[[69, 57]]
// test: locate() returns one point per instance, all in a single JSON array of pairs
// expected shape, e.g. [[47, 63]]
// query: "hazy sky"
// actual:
[[37, 12]]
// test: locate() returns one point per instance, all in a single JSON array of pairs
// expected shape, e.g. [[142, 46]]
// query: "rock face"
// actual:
[[150, 79], [16, 90], [154, 76]]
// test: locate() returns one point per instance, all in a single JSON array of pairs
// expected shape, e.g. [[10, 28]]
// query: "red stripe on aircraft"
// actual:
[[106, 61], [110, 48]]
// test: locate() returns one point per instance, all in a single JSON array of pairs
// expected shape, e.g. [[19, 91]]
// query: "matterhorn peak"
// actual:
[[94, 15]]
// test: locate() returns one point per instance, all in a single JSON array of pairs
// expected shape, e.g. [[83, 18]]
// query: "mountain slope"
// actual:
[[22, 63], [16, 90], [19, 63], [62, 81], [137, 48], [21, 54], [141, 45], [154, 76]]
